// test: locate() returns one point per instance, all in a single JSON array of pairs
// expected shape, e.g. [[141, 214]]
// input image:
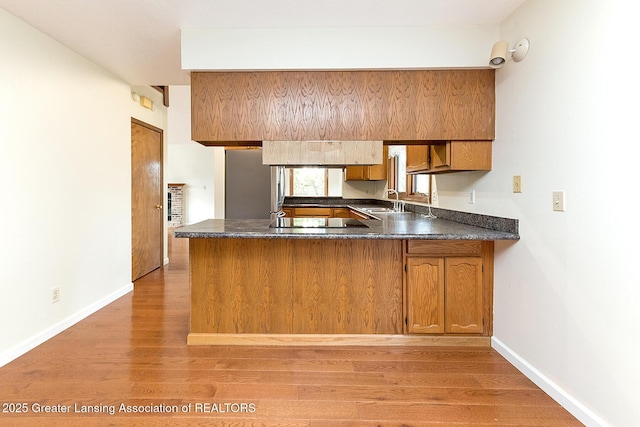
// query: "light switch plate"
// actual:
[[517, 184], [558, 201]]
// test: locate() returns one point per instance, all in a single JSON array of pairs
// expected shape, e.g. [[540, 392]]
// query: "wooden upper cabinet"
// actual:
[[417, 158], [460, 155], [449, 156], [369, 173], [230, 108]]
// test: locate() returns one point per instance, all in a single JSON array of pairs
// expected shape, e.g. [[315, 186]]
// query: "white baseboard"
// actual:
[[557, 393], [54, 330]]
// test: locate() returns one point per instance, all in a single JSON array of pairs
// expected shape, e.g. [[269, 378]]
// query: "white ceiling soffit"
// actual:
[[139, 41], [338, 48]]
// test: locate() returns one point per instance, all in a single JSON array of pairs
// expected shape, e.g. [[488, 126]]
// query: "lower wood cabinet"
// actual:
[[313, 212], [425, 295], [447, 290], [463, 303], [316, 289], [320, 212]]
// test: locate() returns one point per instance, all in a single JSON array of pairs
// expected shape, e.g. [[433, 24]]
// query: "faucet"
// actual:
[[396, 204]]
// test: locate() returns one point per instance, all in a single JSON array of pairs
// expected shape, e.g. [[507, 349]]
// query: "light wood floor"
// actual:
[[133, 352]]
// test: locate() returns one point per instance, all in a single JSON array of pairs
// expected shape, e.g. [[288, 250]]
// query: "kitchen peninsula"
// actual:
[[395, 278]]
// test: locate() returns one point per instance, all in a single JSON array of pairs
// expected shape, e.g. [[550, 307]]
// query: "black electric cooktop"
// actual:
[[313, 222]]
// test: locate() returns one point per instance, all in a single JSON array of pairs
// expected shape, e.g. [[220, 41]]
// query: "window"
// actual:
[[308, 182], [416, 187], [421, 184], [398, 166]]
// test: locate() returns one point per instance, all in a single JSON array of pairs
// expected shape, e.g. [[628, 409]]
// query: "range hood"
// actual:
[[321, 153]]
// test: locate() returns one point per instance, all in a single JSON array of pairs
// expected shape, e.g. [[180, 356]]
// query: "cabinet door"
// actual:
[[440, 156], [379, 172], [417, 158], [460, 156], [313, 212], [369, 173], [355, 173], [463, 302], [341, 213], [425, 295]]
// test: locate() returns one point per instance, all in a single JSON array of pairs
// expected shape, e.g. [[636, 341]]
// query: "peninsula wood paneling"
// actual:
[[402, 105], [238, 287], [348, 287], [296, 286]]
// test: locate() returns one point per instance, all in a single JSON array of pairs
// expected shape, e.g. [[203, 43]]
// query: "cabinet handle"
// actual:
[[158, 207]]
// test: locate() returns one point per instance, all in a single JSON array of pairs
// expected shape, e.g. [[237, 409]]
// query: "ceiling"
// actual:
[[139, 40]]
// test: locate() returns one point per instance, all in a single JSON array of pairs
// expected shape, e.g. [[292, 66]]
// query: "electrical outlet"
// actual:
[[517, 184], [55, 295], [558, 201], [472, 197]]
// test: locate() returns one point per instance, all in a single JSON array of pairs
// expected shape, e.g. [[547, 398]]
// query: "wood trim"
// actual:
[[487, 283], [242, 147], [164, 90], [326, 182], [148, 126], [335, 340]]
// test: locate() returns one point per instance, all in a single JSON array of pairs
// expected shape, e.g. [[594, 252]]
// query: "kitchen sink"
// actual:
[[380, 210]]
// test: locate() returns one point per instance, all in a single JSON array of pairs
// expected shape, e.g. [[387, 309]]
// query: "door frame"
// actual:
[[162, 188]]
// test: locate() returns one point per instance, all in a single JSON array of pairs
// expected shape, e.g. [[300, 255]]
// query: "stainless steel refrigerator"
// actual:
[[247, 185]]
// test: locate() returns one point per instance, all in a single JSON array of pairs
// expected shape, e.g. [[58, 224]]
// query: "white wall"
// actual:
[[336, 48], [363, 189], [191, 163], [66, 177], [567, 294]]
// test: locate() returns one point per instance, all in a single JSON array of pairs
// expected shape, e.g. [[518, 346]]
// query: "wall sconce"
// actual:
[[142, 100], [501, 48]]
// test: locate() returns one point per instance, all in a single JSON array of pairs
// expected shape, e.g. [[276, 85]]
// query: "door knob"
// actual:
[[158, 207]]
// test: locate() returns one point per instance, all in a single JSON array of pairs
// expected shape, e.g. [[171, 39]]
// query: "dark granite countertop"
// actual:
[[450, 225]]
